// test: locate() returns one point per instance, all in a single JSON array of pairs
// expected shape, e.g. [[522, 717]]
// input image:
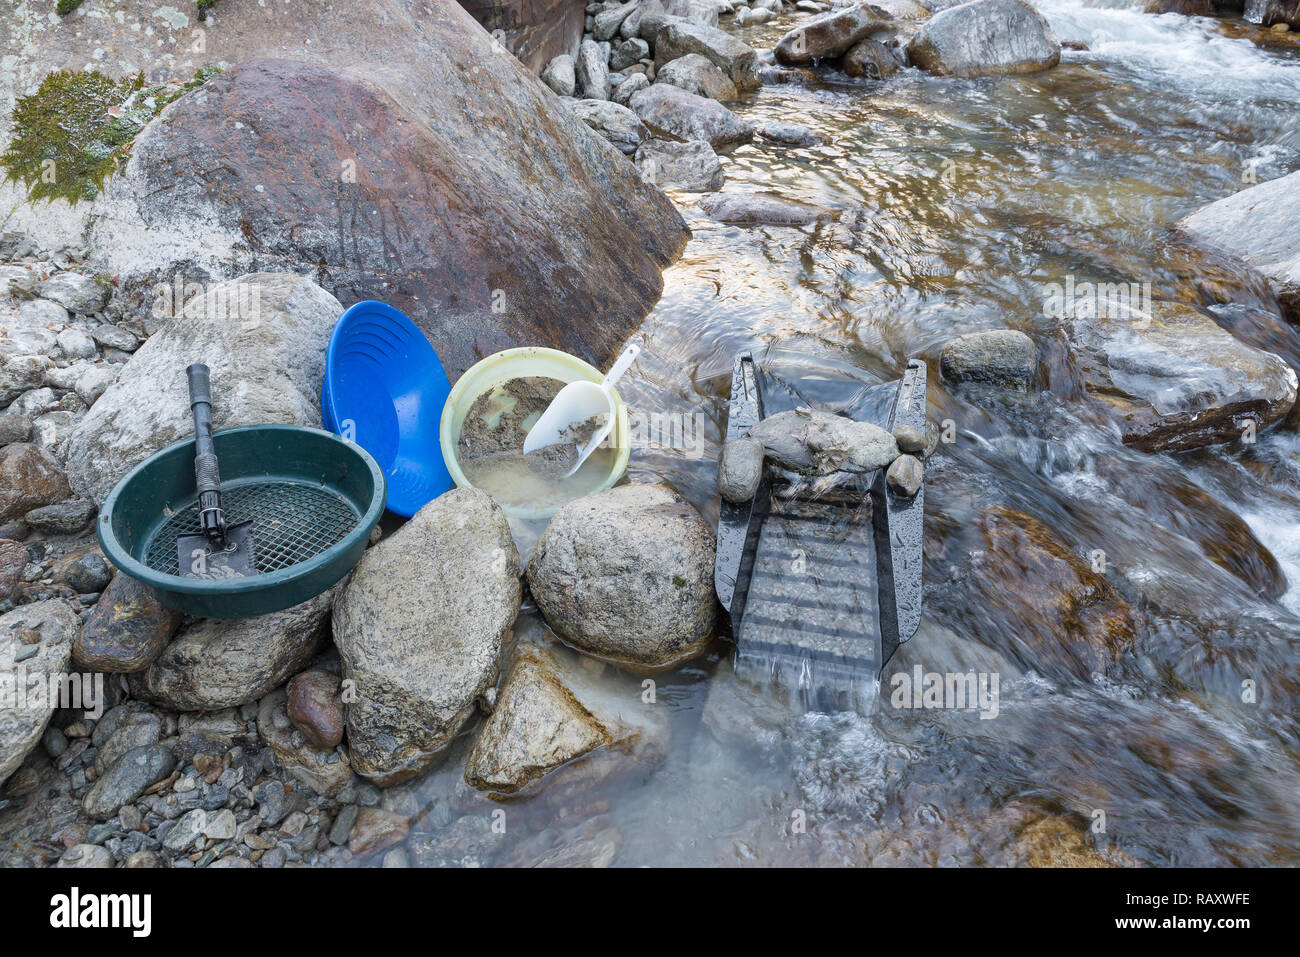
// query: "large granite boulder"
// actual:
[[686, 116], [420, 629], [263, 336], [829, 36], [1175, 380], [984, 38], [735, 59], [1258, 226], [391, 188], [35, 644]]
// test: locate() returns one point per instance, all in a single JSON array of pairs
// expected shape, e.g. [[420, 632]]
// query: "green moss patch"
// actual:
[[64, 7], [76, 130], [204, 6]]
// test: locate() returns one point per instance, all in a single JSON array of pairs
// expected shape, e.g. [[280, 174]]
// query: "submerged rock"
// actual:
[[267, 367], [1258, 227], [35, 644], [627, 575], [1002, 357], [218, 663], [764, 209], [327, 771], [1176, 380], [420, 630], [315, 706], [983, 38], [552, 711], [819, 443], [685, 116], [693, 166]]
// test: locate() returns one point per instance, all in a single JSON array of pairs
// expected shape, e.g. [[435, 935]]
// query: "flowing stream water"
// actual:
[[971, 196]]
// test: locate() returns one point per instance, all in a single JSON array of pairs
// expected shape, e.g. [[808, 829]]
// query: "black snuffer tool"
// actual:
[[218, 550]]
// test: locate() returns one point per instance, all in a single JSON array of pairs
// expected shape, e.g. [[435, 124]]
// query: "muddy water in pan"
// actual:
[[1051, 548]]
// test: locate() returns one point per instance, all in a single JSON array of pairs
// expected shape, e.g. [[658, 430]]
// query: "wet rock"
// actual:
[[789, 134], [1034, 597], [818, 443], [316, 708], [268, 371], [550, 712], [129, 777], [592, 71], [735, 59], [134, 730], [37, 637], [19, 374], [218, 663], [685, 116], [692, 167], [78, 294], [627, 575], [698, 75], [1003, 357], [420, 630], [871, 59], [1256, 226], [909, 439], [983, 38], [127, 630], [343, 824], [615, 123], [561, 75], [577, 234], [377, 829], [831, 35], [904, 476], [1176, 380], [85, 572], [740, 469], [65, 518], [764, 209], [327, 771], [29, 478]]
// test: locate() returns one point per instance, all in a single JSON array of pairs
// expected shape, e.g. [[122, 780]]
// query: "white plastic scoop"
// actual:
[[576, 404]]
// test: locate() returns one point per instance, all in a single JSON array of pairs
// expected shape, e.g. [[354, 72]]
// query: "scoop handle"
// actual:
[[207, 478], [623, 363]]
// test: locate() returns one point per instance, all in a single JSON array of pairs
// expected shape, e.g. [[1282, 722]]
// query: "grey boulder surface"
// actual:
[[266, 368], [734, 58], [129, 776], [420, 630], [619, 125], [218, 663], [592, 71], [985, 38], [1002, 357], [36, 638], [626, 575], [1258, 227], [552, 710], [692, 166], [561, 75], [697, 75], [819, 443], [686, 116]]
